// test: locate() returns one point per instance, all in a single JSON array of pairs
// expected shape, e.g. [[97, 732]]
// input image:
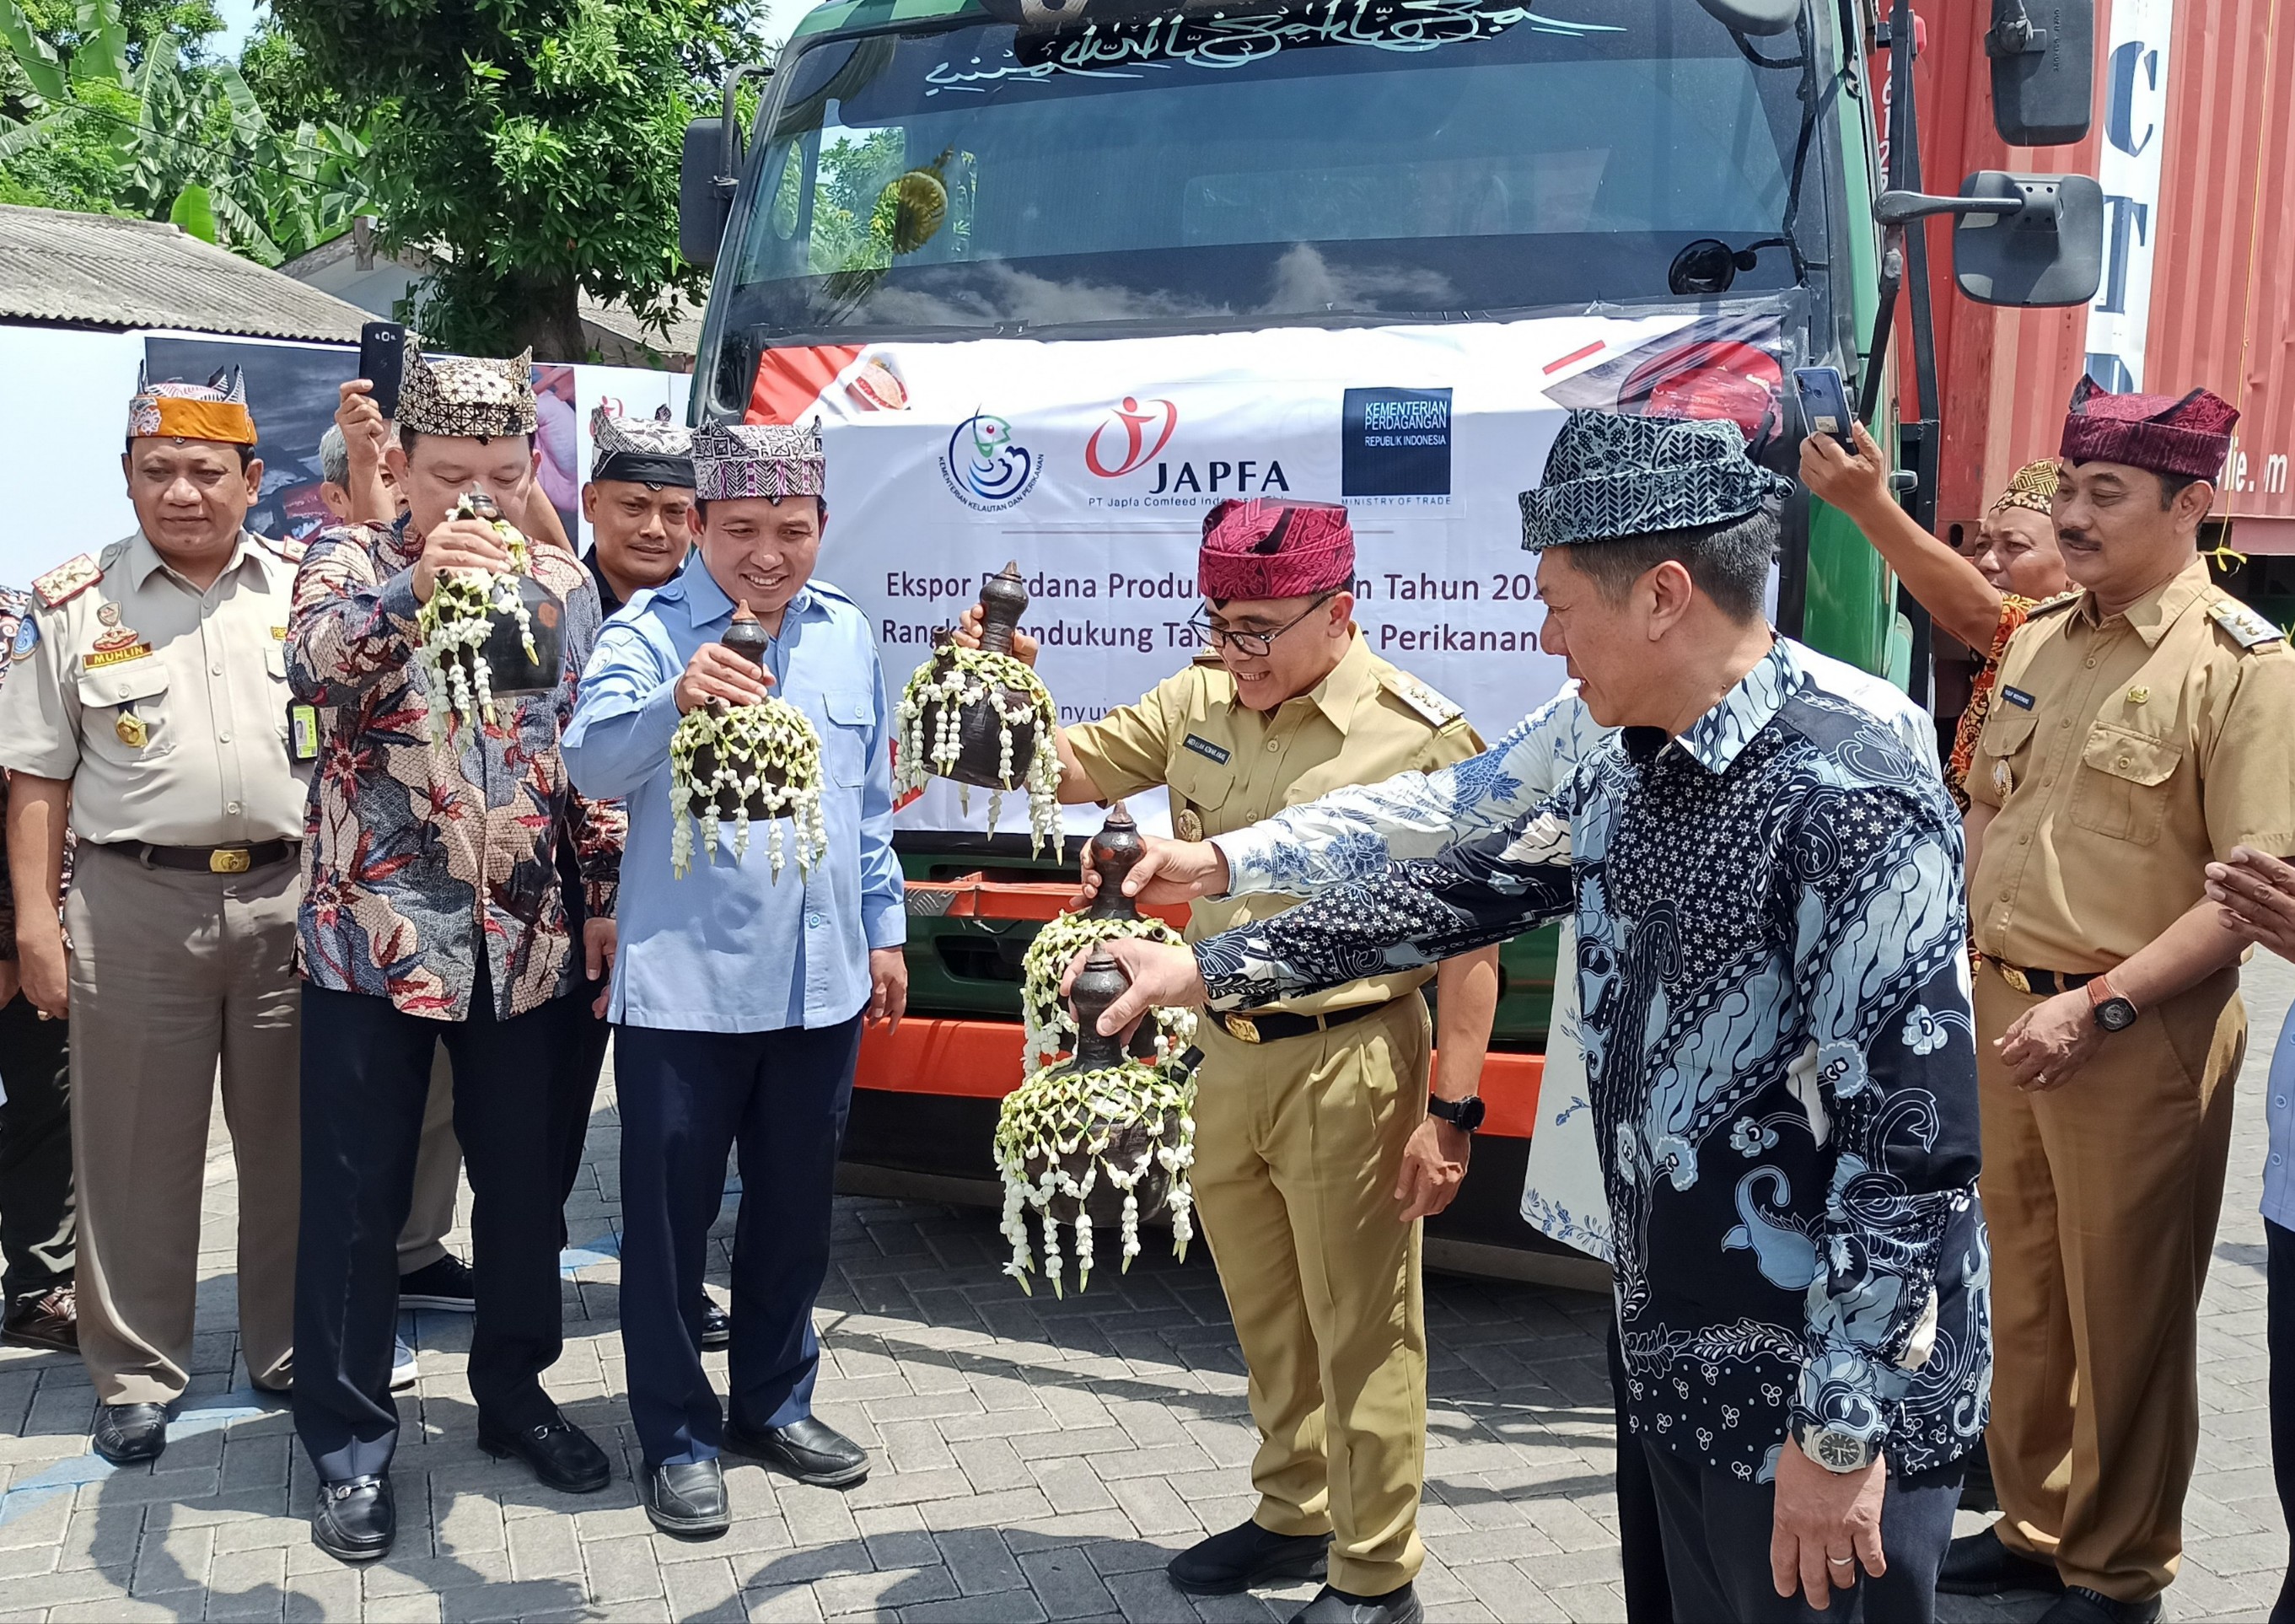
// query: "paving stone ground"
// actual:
[[1036, 1459]]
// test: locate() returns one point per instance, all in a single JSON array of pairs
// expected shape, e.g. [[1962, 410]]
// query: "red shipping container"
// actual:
[[2221, 310]]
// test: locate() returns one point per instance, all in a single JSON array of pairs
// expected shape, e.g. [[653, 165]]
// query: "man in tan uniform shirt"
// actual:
[[1314, 1152], [2142, 728], [152, 699]]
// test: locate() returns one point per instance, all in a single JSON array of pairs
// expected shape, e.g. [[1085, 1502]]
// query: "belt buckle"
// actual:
[[1242, 1028], [2015, 977], [230, 860]]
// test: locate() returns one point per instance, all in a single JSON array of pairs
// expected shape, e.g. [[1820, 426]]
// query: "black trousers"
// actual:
[[2279, 1335], [1641, 1546], [37, 1224], [686, 1099], [1717, 1547], [582, 1058], [366, 1073]]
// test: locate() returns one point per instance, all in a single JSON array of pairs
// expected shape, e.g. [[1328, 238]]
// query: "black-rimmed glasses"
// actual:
[[1252, 645]]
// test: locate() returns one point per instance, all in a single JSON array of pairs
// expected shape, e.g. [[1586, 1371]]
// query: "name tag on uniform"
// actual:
[[2018, 697], [302, 732], [97, 659], [1204, 748]]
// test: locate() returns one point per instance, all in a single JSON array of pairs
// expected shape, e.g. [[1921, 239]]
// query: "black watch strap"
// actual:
[[1464, 1114]]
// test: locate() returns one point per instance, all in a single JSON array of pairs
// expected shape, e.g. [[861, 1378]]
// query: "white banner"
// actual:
[[1092, 464], [2134, 132]]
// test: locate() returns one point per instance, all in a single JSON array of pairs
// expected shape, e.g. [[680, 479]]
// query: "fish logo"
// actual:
[[985, 467]]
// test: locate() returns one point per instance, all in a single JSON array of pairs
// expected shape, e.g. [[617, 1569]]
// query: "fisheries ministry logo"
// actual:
[[1131, 436], [985, 471], [1395, 442]]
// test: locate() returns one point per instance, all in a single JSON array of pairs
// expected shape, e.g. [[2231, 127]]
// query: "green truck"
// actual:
[[1053, 275]]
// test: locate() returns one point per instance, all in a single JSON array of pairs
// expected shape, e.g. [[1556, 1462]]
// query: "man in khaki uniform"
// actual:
[[150, 697], [1315, 1155], [2142, 728]]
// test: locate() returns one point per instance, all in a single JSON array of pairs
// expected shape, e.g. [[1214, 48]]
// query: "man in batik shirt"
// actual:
[[432, 912], [1778, 1036]]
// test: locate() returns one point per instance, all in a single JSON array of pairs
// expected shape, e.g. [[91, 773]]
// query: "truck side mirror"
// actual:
[[709, 172], [704, 202], [1754, 16], [2043, 56], [2030, 240]]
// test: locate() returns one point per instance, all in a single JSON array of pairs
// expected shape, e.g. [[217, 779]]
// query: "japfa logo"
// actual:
[[1395, 442], [1131, 435], [985, 469]]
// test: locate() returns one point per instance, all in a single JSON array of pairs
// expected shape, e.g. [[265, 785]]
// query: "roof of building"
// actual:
[[97, 270]]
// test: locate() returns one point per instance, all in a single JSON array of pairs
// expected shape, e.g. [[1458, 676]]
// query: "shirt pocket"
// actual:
[[1203, 784], [2121, 789], [845, 741], [108, 698]]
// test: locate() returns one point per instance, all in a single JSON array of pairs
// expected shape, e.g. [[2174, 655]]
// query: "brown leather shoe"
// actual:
[[50, 1321]]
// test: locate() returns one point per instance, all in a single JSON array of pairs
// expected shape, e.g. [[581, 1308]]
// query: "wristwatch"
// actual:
[[1835, 1451], [2112, 1012], [1464, 1114]]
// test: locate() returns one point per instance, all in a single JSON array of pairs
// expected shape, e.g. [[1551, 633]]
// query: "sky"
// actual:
[[239, 20]]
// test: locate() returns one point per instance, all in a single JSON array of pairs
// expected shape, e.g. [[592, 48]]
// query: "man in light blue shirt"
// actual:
[[737, 998]]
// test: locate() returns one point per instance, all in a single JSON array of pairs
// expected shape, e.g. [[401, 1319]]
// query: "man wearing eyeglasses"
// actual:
[[1315, 1153]]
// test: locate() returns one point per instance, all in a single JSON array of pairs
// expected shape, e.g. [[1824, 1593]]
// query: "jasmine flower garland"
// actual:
[[726, 760], [949, 683], [459, 618], [1048, 1027], [1057, 1141]]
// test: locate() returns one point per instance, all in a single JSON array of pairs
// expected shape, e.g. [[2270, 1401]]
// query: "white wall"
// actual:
[[63, 416]]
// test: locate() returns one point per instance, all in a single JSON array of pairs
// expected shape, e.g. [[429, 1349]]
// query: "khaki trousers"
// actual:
[[437, 1174], [2101, 1197], [1298, 1145], [174, 974]]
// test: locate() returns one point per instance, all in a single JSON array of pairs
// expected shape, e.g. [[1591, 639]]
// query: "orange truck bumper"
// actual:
[[981, 1059]]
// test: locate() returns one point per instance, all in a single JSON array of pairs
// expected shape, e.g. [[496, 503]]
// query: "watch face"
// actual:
[[2115, 1015], [1839, 1451], [1464, 1114]]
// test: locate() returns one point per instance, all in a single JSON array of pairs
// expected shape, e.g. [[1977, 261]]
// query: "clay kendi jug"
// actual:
[[979, 729], [1100, 983], [1114, 849], [745, 636], [507, 669]]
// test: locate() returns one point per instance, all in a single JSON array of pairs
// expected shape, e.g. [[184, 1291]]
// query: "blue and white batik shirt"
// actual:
[[1352, 833], [1782, 1062]]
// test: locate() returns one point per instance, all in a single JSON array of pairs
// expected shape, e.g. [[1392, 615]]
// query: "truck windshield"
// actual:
[[1421, 159]]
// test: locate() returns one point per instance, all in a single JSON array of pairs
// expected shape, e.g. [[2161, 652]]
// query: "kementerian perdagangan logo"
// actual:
[[985, 469]]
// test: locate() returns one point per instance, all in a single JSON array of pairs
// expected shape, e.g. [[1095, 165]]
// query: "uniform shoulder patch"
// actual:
[[2243, 625], [2056, 605], [67, 580], [1438, 711], [286, 547]]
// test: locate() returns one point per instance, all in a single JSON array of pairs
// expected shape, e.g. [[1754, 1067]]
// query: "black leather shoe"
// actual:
[[689, 1500], [2078, 1604], [1979, 1565], [560, 1452], [716, 1325], [1331, 1606], [810, 1450], [355, 1520], [129, 1433], [1227, 1563]]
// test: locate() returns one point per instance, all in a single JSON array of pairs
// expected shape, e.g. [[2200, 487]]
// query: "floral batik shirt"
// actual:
[[1782, 1063], [418, 856]]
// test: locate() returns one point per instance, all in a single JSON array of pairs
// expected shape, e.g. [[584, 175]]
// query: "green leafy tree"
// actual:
[[114, 124], [529, 147]]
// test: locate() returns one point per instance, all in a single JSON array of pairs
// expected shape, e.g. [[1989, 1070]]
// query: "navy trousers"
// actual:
[[1717, 1547], [366, 1075], [686, 1099]]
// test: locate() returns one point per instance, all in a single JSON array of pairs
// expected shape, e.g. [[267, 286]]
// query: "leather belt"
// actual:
[[207, 859], [2036, 984], [1278, 1025]]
